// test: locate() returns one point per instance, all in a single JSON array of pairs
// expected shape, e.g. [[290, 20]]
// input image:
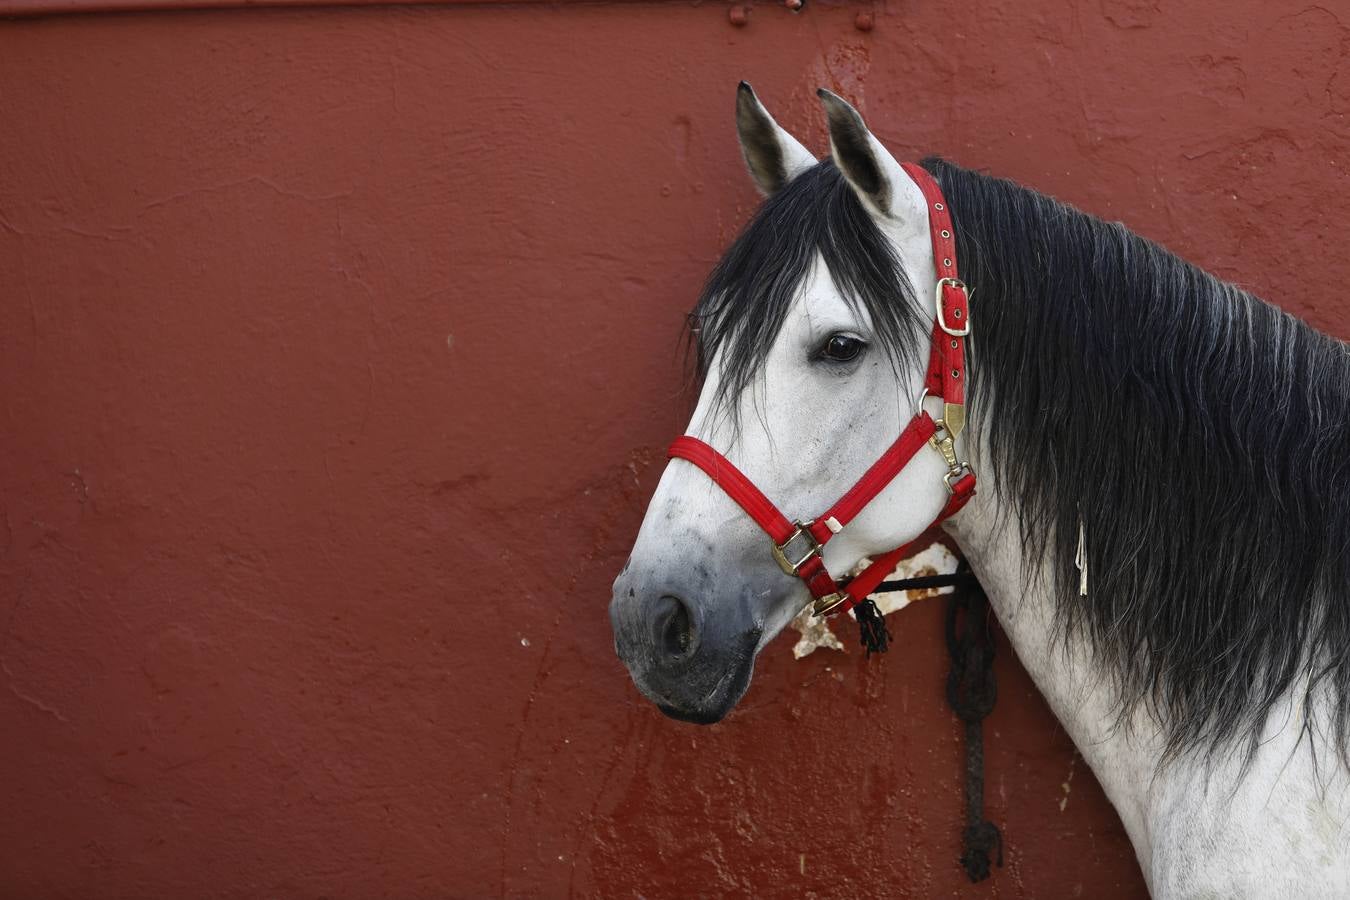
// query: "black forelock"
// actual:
[[747, 296]]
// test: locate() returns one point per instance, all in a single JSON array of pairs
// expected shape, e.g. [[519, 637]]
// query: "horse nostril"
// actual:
[[675, 628]]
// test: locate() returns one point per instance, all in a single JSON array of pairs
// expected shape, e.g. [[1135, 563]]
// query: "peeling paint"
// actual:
[[1066, 784], [934, 559], [815, 633]]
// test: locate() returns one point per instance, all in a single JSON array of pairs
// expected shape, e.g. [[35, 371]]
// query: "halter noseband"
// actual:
[[797, 545]]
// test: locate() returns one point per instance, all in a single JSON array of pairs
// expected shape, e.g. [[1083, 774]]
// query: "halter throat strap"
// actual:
[[797, 545]]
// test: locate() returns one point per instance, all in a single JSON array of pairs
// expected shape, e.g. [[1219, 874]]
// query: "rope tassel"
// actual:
[[872, 625]]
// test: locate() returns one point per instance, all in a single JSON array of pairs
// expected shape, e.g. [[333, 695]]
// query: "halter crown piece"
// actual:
[[797, 545]]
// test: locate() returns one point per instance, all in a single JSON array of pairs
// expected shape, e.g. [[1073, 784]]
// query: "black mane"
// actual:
[[1199, 435], [1202, 437]]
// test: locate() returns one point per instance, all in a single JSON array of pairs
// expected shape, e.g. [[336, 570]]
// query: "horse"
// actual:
[[1161, 525]]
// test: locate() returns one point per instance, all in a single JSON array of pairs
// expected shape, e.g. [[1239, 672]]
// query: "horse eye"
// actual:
[[842, 348]]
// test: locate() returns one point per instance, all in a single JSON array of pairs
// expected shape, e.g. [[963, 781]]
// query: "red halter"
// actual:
[[797, 545]]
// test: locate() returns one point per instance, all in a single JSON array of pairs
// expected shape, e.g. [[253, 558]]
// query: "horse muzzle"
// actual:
[[693, 666]]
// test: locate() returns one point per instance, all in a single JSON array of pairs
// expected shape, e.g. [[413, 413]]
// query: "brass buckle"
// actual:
[[942, 316], [780, 550], [823, 606]]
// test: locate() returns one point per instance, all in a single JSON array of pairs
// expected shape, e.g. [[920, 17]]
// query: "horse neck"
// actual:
[[1123, 755], [1168, 808]]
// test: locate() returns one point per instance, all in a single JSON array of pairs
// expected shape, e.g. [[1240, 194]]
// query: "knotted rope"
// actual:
[[971, 692]]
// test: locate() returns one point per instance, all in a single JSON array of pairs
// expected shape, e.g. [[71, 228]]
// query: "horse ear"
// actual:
[[868, 166], [773, 156]]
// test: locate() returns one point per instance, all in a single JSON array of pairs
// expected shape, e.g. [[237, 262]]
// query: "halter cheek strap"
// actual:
[[797, 545]]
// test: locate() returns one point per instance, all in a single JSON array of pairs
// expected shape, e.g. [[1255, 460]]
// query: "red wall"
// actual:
[[338, 349]]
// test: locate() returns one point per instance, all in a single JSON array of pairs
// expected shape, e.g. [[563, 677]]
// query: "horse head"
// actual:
[[811, 334]]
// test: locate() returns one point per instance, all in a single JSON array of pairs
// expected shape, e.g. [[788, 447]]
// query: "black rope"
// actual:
[[875, 637], [971, 692], [959, 578]]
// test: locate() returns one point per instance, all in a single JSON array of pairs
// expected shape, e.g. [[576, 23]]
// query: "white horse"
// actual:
[[1161, 524]]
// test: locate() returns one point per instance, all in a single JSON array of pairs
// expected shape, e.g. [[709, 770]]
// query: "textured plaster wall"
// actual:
[[338, 349]]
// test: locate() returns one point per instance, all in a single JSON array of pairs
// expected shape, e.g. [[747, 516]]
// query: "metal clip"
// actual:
[[944, 442]]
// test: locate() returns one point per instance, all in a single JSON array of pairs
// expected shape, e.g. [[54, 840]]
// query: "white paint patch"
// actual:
[[1067, 784], [814, 633], [935, 559]]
